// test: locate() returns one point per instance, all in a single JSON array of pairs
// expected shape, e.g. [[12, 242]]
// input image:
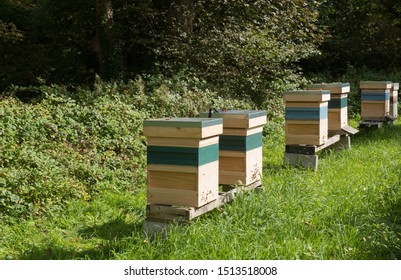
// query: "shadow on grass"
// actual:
[[111, 234]]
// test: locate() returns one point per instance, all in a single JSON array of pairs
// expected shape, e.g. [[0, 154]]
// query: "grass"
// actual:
[[349, 209]]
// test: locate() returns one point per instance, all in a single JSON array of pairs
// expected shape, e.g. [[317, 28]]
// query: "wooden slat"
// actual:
[[311, 149], [168, 214], [333, 87], [182, 142], [241, 131]]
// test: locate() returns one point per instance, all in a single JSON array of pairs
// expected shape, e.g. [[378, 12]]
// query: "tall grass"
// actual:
[[349, 209]]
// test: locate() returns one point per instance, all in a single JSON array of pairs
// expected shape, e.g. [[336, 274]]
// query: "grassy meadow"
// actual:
[[349, 209]]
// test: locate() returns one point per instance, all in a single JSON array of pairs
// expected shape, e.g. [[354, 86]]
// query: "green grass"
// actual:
[[349, 209]]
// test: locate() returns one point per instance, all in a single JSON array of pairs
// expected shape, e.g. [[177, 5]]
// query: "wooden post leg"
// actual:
[[344, 143], [307, 161]]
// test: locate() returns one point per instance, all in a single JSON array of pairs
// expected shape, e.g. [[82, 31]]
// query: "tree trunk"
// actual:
[[103, 39], [181, 14]]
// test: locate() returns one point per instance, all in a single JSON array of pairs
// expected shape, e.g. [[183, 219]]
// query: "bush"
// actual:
[[77, 143]]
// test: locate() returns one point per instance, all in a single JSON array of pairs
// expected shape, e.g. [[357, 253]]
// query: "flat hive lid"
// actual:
[[183, 127], [396, 86], [307, 95], [335, 88], [240, 118], [375, 84]]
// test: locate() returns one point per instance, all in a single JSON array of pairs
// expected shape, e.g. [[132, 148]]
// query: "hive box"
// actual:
[[375, 100], [306, 114], [394, 100], [338, 104], [183, 160], [240, 156]]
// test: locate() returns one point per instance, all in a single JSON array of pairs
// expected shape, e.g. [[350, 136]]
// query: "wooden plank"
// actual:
[[182, 142], [183, 122], [307, 95], [333, 87], [240, 118], [160, 216], [306, 132], [242, 131], [179, 132], [311, 149], [329, 142], [350, 130], [371, 123], [375, 84], [174, 186]]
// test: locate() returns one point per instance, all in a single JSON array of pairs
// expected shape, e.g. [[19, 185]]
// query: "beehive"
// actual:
[[306, 114], [182, 160], [375, 100], [240, 155], [337, 105], [394, 100]]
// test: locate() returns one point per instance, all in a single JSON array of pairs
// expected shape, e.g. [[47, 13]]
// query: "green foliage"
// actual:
[[246, 48], [76, 143], [360, 33]]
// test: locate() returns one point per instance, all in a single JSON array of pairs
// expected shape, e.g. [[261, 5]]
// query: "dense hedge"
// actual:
[[77, 143]]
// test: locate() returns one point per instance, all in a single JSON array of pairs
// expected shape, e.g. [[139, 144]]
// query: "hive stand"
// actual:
[[375, 104], [306, 155], [159, 218]]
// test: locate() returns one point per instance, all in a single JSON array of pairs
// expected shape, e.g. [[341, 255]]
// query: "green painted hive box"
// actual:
[[240, 156], [182, 160], [394, 100], [306, 117], [375, 100], [338, 104]]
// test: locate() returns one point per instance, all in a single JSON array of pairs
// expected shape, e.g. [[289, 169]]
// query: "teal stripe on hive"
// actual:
[[338, 103], [301, 113], [240, 143], [375, 96], [182, 155]]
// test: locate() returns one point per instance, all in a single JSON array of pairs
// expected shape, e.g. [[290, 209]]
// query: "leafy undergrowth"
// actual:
[[349, 209], [76, 144]]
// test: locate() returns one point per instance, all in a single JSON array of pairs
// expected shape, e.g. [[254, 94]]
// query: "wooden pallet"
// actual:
[[389, 120], [160, 217], [306, 155]]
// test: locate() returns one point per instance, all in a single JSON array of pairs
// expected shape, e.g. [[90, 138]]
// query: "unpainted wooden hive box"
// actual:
[[240, 155], [375, 100], [183, 160], [306, 117], [337, 105], [394, 100]]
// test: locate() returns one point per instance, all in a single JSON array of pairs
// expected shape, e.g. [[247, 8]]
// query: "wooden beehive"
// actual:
[[306, 114], [183, 160], [240, 156], [394, 100], [375, 100], [337, 105]]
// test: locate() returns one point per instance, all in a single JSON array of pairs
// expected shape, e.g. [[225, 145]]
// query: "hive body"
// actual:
[[182, 158], [240, 155], [306, 117]]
